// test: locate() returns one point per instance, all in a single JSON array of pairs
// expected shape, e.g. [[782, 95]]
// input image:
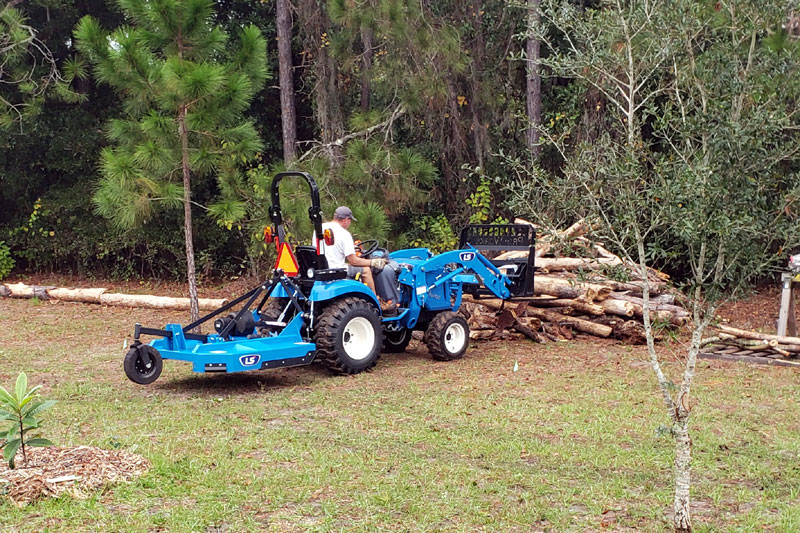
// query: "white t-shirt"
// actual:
[[342, 245]]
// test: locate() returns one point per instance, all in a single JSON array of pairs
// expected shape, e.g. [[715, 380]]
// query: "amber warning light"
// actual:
[[328, 237]]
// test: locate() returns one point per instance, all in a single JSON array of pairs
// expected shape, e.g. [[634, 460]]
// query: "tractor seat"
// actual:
[[307, 258]]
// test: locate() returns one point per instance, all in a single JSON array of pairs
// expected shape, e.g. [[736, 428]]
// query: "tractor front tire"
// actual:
[[447, 336], [349, 336], [143, 364], [396, 341]]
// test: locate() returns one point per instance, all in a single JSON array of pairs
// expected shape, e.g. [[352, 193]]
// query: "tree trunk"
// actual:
[[285, 73], [159, 302], [577, 305], [585, 326], [560, 264], [683, 459], [534, 81], [187, 213], [367, 41], [562, 288], [316, 26], [480, 138]]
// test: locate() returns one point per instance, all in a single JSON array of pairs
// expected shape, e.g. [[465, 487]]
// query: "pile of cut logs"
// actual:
[[743, 342], [581, 292]]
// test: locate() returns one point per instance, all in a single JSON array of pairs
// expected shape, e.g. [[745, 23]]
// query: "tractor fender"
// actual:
[[324, 291]]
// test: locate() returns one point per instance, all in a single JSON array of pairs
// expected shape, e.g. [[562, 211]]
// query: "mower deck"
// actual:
[[288, 348]]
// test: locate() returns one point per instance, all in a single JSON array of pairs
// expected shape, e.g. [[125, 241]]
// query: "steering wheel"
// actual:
[[367, 247]]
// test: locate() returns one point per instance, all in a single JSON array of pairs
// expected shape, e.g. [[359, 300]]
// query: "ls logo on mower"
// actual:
[[249, 360], [466, 256]]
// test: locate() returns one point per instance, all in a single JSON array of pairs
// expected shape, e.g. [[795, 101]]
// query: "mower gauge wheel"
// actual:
[[143, 364]]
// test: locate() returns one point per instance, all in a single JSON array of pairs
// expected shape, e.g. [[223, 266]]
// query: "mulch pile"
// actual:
[[53, 471]]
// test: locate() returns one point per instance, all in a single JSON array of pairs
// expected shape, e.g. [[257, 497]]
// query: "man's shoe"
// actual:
[[388, 307]]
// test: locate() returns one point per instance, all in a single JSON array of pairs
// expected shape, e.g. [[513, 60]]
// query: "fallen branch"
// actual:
[[398, 111], [745, 334], [101, 296], [556, 264]]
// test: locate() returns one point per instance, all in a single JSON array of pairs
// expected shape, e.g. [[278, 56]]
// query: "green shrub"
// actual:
[[6, 261], [434, 233], [63, 234]]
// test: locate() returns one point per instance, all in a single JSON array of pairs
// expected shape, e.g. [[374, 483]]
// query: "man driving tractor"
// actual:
[[342, 254]]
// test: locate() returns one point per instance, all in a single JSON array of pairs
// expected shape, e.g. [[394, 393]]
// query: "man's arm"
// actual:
[[376, 263], [354, 260]]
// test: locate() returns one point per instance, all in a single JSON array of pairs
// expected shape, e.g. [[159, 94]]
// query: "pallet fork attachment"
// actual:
[[494, 238]]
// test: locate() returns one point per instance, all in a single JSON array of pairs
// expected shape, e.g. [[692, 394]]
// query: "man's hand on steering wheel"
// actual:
[[365, 248]]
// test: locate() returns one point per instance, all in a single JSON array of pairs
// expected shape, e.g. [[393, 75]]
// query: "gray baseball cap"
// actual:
[[344, 212]]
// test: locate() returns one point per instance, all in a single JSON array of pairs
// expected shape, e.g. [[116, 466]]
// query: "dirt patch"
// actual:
[[77, 471], [757, 311]]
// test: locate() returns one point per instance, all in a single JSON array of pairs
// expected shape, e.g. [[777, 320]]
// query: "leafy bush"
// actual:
[[21, 409], [434, 233], [63, 234], [6, 261]]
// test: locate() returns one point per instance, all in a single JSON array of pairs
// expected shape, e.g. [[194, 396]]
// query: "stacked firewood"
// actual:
[[583, 289], [741, 341]]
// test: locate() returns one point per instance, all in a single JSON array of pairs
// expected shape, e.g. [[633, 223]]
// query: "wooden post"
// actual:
[[787, 322]]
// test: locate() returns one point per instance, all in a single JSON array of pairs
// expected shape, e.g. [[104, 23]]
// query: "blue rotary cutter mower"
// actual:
[[308, 312]]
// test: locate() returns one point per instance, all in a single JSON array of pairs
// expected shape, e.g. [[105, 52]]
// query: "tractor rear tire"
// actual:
[[137, 370], [274, 308], [447, 336], [349, 336], [396, 341]]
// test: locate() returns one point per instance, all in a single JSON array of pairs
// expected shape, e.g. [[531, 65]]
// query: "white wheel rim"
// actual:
[[454, 337], [358, 338]]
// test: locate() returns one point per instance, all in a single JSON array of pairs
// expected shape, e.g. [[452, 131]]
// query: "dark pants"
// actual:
[[386, 284]]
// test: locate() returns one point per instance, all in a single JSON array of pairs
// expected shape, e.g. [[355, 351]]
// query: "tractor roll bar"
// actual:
[[314, 212]]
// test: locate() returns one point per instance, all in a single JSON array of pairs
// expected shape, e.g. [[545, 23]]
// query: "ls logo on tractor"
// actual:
[[466, 256], [249, 360]]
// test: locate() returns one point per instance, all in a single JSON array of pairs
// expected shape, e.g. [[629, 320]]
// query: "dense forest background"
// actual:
[[417, 114]]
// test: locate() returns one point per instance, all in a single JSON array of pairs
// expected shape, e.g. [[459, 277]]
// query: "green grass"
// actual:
[[569, 442]]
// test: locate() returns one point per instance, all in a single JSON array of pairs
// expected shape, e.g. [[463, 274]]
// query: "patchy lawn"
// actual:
[[573, 440]]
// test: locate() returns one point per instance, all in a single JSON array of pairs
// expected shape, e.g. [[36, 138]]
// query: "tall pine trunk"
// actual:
[[480, 139], [366, 89], [315, 25], [329, 111], [534, 81], [285, 73], [187, 213]]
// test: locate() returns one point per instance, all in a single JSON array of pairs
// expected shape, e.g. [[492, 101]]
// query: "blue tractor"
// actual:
[[308, 312]]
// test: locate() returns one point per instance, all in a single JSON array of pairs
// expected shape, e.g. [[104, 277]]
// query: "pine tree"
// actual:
[[286, 78], [29, 71], [183, 96]]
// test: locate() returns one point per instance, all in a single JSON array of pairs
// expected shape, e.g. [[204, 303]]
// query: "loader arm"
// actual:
[[457, 267]]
